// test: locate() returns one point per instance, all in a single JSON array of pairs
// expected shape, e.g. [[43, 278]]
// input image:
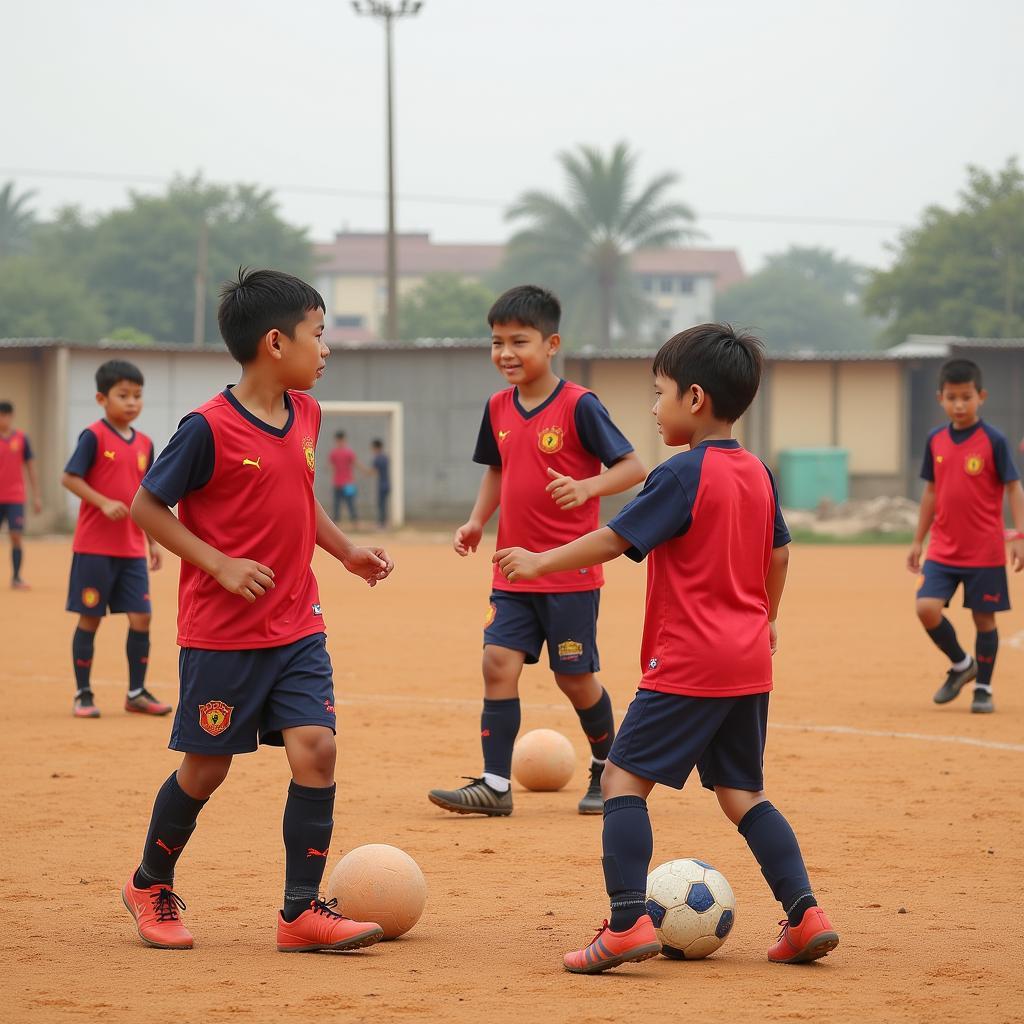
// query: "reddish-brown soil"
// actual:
[[911, 818]]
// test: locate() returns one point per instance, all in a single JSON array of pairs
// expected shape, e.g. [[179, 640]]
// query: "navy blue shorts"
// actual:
[[99, 582], [664, 735], [232, 701], [14, 513], [985, 589], [567, 622]]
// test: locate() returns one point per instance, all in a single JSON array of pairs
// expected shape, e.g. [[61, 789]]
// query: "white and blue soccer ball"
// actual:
[[692, 907]]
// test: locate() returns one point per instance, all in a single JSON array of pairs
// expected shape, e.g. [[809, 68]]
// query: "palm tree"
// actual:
[[581, 246], [16, 221]]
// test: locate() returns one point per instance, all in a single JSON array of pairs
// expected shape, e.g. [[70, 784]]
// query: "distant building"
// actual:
[[680, 283]]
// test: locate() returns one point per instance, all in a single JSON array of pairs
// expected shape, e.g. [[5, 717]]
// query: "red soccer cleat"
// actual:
[[146, 704], [83, 706], [19, 585], [610, 949], [322, 927], [810, 940], [156, 915]]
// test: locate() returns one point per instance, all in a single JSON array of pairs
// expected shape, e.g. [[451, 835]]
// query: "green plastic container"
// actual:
[[808, 475]]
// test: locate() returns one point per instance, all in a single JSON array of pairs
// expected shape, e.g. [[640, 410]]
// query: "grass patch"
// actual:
[[868, 537]]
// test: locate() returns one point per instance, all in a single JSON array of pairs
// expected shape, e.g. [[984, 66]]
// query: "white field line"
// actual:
[[1017, 640], [357, 699]]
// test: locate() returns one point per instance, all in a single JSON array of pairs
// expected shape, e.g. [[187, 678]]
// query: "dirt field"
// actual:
[[911, 818]]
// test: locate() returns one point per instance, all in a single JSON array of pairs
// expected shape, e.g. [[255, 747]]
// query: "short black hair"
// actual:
[[339, 435], [115, 370], [6, 407], [529, 305], [376, 443], [260, 301], [726, 363], [960, 371]]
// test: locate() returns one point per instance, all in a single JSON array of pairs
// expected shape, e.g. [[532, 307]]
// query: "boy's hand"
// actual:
[[566, 491], [156, 557], [37, 505], [467, 538], [1017, 554], [773, 634], [518, 564], [370, 564], [245, 577], [914, 558], [114, 509]]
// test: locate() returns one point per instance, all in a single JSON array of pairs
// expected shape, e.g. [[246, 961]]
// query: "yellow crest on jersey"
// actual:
[[143, 462], [307, 445], [550, 440], [974, 464]]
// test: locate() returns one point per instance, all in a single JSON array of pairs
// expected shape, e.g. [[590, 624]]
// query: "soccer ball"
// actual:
[[692, 907]]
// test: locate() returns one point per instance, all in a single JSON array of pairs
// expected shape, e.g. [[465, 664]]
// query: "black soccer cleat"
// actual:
[[982, 702], [955, 682], [476, 798], [593, 802]]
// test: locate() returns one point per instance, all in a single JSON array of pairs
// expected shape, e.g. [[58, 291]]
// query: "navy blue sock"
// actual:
[[82, 644], [16, 554], [137, 649], [598, 726], [308, 825], [173, 821], [774, 846], [985, 649], [499, 726], [944, 637], [628, 845]]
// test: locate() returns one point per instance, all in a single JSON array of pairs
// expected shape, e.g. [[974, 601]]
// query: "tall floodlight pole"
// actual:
[[387, 11]]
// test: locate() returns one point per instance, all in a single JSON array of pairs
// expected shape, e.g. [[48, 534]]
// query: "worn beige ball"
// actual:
[[382, 884], [543, 760]]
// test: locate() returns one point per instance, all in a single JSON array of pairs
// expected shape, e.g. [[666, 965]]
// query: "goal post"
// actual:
[[395, 435]]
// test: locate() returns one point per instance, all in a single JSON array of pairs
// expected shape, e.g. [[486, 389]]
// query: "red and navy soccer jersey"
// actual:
[[114, 466], [970, 470], [570, 432], [246, 488], [15, 451], [707, 521]]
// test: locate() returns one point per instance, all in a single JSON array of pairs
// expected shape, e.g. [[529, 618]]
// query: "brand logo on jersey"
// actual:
[[938, 458], [549, 440], [15, 445], [502, 434], [307, 445], [214, 717], [974, 464], [90, 597], [253, 462], [109, 455], [653, 663], [492, 611], [570, 650], [143, 462], [316, 609]]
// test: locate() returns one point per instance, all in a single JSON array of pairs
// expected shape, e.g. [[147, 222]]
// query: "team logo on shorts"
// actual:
[[143, 462], [549, 440], [570, 650], [492, 611], [90, 597], [920, 581], [214, 717], [974, 464], [307, 446]]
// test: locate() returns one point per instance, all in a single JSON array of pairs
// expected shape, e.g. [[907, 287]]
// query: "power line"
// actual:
[[822, 220]]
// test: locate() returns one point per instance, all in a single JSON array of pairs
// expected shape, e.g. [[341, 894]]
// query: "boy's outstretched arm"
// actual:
[[774, 584], [568, 492], [602, 545], [370, 564], [925, 516], [1015, 493], [242, 576], [488, 497]]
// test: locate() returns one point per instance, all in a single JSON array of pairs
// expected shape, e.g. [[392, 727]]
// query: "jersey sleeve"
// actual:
[[486, 452], [661, 511], [928, 464], [1005, 467], [597, 433], [780, 530], [83, 456], [185, 465], [27, 455]]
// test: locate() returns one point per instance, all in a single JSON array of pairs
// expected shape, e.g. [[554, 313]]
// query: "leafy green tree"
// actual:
[[39, 300], [446, 306], [16, 221], [802, 299], [580, 245], [960, 271]]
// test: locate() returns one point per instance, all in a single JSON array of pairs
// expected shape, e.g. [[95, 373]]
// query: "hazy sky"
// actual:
[[770, 110]]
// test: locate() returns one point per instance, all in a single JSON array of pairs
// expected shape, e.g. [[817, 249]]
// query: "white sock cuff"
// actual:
[[496, 782]]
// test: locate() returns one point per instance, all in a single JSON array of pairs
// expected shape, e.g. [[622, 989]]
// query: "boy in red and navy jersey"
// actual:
[[15, 462], [109, 564], [254, 665], [708, 522], [968, 468], [543, 441]]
